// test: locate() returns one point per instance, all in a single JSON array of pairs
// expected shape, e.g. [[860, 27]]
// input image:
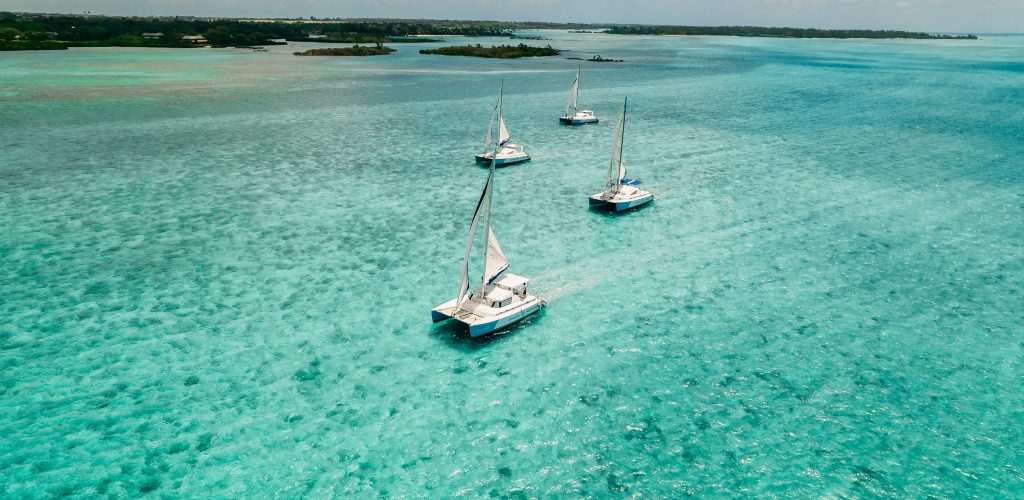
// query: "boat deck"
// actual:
[[461, 315]]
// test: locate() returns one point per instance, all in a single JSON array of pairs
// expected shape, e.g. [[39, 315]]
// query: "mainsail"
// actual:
[[570, 103], [490, 128], [464, 280], [616, 170]]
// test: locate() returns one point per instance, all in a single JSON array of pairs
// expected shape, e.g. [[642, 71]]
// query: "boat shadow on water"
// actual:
[[456, 335]]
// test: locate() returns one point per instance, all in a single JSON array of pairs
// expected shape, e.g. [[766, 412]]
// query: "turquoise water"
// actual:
[[216, 271]]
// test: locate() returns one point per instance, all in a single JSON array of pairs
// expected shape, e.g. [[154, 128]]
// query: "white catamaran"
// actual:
[[620, 193], [573, 115], [500, 299], [507, 151]]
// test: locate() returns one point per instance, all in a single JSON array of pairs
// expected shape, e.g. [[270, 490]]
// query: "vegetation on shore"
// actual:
[[8, 45], [45, 31], [365, 39], [756, 31], [100, 31], [397, 27], [355, 50], [105, 31], [499, 52]]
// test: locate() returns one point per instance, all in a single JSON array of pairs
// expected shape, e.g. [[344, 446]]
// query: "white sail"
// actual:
[[490, 128], [496, 260], [616, 170], [485, 211], [570, 103], [503, 135], [464, 280], [490, 137]]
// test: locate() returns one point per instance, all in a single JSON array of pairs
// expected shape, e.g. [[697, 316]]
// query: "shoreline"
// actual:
[[56, 32]]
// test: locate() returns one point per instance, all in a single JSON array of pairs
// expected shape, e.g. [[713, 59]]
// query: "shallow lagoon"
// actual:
[[216, 270]]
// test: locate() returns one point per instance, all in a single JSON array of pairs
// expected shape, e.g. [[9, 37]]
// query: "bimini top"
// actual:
[[511, 281], [498, 294], [630, 182]]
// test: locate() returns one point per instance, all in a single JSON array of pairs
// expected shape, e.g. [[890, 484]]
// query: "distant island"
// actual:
[[25, 31], [526, 37], [595, 59], [365, 39], [755, 31], [499, 52], [355, 50], [20, 31]]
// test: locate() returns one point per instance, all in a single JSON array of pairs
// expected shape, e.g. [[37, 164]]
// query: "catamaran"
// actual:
[[620, 193], [508, 152], [573, 115], [501, 299]]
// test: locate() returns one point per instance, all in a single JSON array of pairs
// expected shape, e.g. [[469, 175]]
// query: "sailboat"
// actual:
[[620, 193], [501, 299], [508, 152], [573, 115]]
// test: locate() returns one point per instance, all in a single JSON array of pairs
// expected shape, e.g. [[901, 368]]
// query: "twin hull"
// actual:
[[569, 120], [597, 201], [501, 162], [482, 325]]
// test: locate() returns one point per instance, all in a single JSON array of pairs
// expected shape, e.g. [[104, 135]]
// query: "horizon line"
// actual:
[[574, 23]]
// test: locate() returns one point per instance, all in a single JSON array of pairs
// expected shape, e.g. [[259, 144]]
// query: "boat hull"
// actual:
[[597, 201], [568, 120], [501, 162], [437, 316], [501, 323], [483, 325]]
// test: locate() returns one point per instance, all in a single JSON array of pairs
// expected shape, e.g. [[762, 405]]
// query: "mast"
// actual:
[[576, 91], [622, 140], [492, 253], [482, 205], [615, 163], [490, 128], [488, 192]]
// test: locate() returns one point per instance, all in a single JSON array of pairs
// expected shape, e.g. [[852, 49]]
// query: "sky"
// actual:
[[976, 16]]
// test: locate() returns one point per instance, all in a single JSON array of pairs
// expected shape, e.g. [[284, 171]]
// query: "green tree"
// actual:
[[36, 36], [219, 35], [8, 33]]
